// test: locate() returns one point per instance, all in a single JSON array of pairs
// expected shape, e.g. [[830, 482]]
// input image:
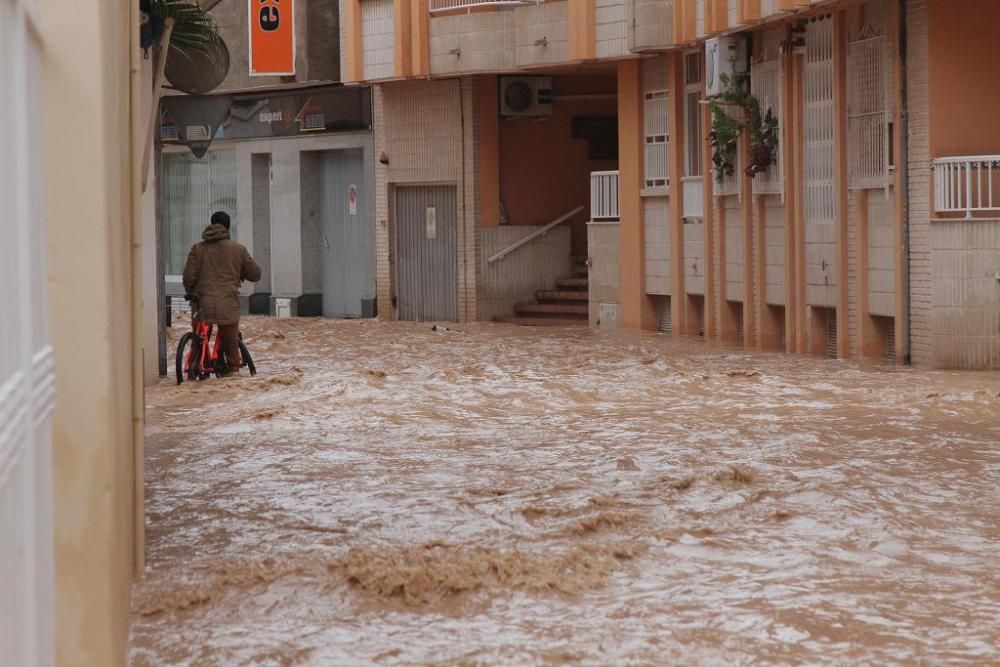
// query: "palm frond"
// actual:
[[194, 28]]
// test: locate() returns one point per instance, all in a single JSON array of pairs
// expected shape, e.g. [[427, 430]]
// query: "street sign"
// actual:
[[272, 37]]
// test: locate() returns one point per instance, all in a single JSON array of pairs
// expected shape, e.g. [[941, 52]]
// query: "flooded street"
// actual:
[[387, 494]]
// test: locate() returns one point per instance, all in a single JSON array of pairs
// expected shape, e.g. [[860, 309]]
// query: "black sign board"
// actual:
[[193, 118]]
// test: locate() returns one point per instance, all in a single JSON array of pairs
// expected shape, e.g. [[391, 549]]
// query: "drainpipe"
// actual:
[[904, 184], [136, 183]]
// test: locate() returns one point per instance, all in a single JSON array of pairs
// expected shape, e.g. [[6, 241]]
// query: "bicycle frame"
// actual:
[[208, 352]]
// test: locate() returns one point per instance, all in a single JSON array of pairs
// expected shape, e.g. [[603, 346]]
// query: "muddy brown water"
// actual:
[[386, 494]]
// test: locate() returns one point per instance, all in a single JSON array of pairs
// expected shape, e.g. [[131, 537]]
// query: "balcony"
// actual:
[[966, 185], [604, 196], [439, 6]]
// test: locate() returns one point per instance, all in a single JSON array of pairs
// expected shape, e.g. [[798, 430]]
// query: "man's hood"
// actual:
[[215, 233]]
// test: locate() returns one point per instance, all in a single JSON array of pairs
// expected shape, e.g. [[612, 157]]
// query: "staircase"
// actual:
[[566, 305]]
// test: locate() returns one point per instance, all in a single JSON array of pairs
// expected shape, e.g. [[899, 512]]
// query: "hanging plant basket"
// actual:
[[734, 112]]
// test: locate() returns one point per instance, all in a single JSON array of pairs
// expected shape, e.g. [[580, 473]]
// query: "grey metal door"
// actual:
[[427, 253], [348, 236]]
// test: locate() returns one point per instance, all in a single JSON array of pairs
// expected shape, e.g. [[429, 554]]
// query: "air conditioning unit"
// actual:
[[723, 55], [525, 96]]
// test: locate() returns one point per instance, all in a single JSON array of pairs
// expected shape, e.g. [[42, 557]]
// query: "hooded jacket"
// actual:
[[214, 270]]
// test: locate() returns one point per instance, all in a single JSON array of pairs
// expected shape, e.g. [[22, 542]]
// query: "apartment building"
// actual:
[[867, 230]]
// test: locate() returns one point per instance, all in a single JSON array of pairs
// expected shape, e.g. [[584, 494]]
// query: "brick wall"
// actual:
[[427, 130], [965, 315], [918, 141]]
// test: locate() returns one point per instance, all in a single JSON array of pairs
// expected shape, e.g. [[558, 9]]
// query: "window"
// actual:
[[765, 84], [869, 99], [191, 190], [656, 133], [692, 115]]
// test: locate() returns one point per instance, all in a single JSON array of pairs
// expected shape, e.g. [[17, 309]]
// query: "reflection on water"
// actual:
[[386, 493]]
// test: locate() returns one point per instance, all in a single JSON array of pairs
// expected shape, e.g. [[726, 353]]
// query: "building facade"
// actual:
[[71, 402], [865, 231], [290, 158]]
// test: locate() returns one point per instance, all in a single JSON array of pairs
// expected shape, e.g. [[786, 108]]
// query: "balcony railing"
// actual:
[[437, 6], [967, 184], [604, 196]]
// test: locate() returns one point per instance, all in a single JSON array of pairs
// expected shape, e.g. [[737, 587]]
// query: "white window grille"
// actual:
[[699, 18], [692, 114], [27, 376], [765, 84], [869, 100], [818, 82], [656, 132], [378, 41]]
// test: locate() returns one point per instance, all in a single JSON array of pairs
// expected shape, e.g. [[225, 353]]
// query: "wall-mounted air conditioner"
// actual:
[[723, 55], [525, 96]]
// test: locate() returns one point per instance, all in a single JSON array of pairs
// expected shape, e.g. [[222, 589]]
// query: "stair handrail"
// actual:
[[534, 235]]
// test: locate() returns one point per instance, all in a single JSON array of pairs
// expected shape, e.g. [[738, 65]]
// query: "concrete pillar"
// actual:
[[286, 216], [243, 224]]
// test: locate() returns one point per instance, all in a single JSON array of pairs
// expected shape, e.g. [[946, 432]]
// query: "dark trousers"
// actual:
[[229, 334]]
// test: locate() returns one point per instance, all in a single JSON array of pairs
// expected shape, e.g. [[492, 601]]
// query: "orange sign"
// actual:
[[272, 37]]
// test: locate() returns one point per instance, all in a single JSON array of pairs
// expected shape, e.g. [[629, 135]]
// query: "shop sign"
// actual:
[[272, 37]]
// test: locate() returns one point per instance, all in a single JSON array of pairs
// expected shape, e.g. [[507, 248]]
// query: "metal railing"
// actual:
[[604, 195], [534, 235], [451, 5], [966, 184]]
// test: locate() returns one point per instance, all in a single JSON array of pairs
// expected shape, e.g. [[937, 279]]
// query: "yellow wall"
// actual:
[[87, 201]]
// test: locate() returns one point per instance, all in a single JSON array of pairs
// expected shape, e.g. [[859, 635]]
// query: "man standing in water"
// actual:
[[213, 273]]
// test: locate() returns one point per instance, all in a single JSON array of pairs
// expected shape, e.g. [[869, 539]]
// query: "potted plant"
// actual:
[[734, 112]]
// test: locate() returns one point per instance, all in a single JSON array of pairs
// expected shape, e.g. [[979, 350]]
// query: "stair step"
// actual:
[[552, 309], [573, 282], [543, 321], [574, 295], [581, 270]]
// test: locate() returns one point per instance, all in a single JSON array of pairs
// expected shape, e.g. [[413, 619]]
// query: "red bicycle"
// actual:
[[198, 357]]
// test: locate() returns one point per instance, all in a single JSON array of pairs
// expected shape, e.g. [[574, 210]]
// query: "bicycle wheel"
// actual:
[[183, 349], [195, 371], [247, 359]]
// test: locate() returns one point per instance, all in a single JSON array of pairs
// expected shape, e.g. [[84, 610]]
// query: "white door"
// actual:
[[26, 368]]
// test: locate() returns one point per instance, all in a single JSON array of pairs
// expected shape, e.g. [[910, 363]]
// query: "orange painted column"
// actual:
[[489, 151], [798, 275], [871, 340], [582, 29], [353, 61], [711, 303], [746, 211], [685, 25], [637, 311], [790, 169], [840, 183], [683, 317], [749, 10], [418, 44], [401, 13]]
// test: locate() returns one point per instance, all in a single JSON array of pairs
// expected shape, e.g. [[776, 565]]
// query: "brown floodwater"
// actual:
[[387, 494]]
